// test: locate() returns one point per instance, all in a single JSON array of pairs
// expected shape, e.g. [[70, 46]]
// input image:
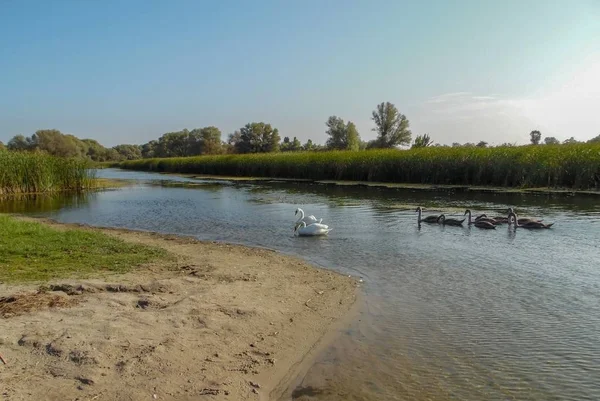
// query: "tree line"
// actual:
[[56, 143], [391, 126]]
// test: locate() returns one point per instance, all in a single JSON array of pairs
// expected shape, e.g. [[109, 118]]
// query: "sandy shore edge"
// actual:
[[220, 322]]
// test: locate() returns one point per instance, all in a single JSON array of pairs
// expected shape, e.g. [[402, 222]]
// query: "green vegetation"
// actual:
[[31, 251], [535, 137], [199, 141], [391, 127], [423, 141], [292, 145], [255, 138], [342, 136], [550, 140], [34, 172], [56, 143], [574, 166]]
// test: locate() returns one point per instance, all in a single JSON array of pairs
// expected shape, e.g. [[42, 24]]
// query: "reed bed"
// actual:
[[574, 166], [30, 172]]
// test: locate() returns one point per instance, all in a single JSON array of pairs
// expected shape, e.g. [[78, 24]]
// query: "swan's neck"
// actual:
[[301, 215], [299, 225], [469, 213], [419, 217]]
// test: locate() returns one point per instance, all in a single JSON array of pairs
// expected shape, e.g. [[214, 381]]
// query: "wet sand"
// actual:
[[223, 321]]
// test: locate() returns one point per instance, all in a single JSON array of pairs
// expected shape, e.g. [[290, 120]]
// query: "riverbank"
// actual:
[[227, 321], [390, 186], [556, 166]]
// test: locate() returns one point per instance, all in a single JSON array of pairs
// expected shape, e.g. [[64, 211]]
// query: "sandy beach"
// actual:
[[218, 321]]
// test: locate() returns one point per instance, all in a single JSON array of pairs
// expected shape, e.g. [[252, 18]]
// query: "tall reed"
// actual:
[[574, 166], [27, 172]]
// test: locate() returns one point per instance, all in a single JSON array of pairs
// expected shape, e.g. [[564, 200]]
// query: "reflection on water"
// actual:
[[451, 312], [42, 202]]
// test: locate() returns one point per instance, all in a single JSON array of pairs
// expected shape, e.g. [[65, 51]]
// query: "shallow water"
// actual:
[[450, 312]]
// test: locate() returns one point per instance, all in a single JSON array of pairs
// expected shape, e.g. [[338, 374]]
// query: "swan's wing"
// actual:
[[312, 218]]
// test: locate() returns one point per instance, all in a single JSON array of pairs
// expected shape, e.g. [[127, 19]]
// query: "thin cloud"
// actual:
[[447, 97]]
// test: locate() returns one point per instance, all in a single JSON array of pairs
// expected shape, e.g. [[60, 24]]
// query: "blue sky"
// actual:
[[126, 72]]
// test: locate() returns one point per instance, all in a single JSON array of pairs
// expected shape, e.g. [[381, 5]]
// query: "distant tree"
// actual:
[[54, 142], [256, 138], [211, 141], [569, 141], [296, 145], [234, 139], [312, 147], [535, 137], [456, 144], [595, 139], [362, 145], [422, 141], [18, 142], [469, 145], [342, 136], [391, 126], [482, 144], [507, 144], [95, 151], [128, 152], [550, 140], [290, 145], [309, 145], [285, 144], [372, 144], [227, 148], [196, 142], [177, 144], [149, 149], [113, 155], [352, 136], [2, 146]]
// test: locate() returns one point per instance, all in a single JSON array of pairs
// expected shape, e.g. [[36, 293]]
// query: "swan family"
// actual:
[[309, 226], [483, 221]]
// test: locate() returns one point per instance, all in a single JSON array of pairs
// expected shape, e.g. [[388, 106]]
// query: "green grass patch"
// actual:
[[575, 166], [31, 251], [35, 172]]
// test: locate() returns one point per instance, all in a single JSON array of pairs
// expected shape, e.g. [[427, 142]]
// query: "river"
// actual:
[[449, 312]]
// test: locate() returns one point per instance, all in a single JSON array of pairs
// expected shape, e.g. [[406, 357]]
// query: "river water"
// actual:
[[449, 312]]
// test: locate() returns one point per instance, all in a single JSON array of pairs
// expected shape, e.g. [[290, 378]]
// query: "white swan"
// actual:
[[308, 219], [310, 230]]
